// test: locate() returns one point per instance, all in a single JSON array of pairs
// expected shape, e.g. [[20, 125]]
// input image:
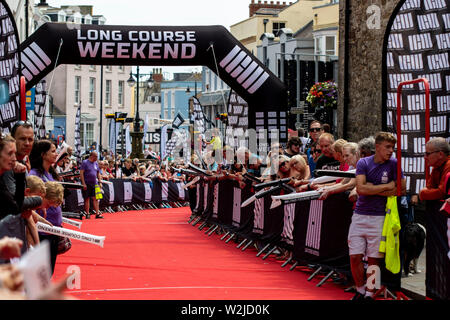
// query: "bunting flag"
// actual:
[[40, 99], [237, 112], [10, 60], [127, 142], [145, 131], [77, 135], [179, 138]]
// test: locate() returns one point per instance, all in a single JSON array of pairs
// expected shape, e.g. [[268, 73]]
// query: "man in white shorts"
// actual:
[[376, 178]]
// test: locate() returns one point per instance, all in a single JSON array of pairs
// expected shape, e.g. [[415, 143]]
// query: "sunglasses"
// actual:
[[282, 164], [315, 129], [430, 153]]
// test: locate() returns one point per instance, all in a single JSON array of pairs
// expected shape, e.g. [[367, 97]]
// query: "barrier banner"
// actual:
[[72, 222], [321, 229], [437, 280], [125, 191], [85, 237]]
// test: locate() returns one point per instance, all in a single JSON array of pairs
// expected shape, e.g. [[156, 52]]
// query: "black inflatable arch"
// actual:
[[154, 46]]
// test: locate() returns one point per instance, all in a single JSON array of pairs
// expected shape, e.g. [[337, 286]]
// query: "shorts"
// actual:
[[89, 192], [364, 235]]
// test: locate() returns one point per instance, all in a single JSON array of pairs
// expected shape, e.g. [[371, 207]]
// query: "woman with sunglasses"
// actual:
[[42, 159]]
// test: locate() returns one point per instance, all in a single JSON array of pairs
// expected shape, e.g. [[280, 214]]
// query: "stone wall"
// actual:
[[365, 66]]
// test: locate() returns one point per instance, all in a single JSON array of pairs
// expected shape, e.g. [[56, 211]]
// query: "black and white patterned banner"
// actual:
[[40, 98], [9, 69], [418, 47]]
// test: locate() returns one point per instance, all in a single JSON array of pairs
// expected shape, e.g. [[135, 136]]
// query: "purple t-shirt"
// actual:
[[376, 173], [90, 171], [54, 214]]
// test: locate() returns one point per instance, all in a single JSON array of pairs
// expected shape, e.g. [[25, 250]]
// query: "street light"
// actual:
[[137, 135]]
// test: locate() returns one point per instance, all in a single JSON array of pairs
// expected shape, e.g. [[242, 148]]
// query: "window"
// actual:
[[120, 93], [108, 68], [62, 16], [121, 68], [78, 66], [108, 93], [277, 26], [92, 91], [330, 45], [318, 45], [92, 67], [87, 134], [77, 90]]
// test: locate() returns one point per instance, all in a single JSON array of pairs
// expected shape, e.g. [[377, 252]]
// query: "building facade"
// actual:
[[72, 85]]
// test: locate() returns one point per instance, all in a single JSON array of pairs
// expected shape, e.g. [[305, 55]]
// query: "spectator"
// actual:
[[127, 170], [375, 180], [326, 128], [301, 135], [350, 155], [436, 156], [293, 147], [327, 161], [42, 158], [11, 202], [90, 178], [284, 170], [366, 147], [315, 130]]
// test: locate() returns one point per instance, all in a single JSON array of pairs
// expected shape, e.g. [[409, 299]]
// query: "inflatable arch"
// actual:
[[416, 45], [211, 46]]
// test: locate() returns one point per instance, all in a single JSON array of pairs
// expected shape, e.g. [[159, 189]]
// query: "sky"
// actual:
[[166, 12]]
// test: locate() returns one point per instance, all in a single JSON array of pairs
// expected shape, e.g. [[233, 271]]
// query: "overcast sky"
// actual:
[[166, 12]]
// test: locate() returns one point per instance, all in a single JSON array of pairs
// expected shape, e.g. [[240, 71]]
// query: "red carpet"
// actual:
[[157, 255]]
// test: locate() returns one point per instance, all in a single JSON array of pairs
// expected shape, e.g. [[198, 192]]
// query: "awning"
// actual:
[[214, 98]]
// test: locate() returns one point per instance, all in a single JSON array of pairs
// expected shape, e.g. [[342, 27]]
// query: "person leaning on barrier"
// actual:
[[327, 161], [437, 156], [350, 155], [376, 178]]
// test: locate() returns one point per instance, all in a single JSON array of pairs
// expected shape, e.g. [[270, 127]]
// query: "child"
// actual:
[[52, 194]]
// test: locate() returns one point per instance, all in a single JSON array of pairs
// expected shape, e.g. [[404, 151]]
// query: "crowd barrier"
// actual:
[[315, 231], [437, 279], [121, 194]]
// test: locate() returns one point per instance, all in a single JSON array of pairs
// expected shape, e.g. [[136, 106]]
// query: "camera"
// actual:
[[31, 203]]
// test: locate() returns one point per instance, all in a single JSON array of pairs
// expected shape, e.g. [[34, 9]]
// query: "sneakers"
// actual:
[[358, 297], [99, 216]]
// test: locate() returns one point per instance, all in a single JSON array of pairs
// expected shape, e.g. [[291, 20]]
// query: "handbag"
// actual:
[[64, 245]]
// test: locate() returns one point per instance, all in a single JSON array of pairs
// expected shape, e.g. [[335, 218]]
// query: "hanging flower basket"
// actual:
[[323, 94]]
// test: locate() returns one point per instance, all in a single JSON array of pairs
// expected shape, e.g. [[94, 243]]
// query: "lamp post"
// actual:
[[137, 134]]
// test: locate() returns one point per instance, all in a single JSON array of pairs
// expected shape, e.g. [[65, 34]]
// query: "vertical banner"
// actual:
[[237, 112], [77, 134], [418, 47], [40, 99], [9, 70]]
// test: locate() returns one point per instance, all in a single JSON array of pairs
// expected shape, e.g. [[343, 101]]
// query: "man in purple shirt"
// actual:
[[376, 178], [90, 176]]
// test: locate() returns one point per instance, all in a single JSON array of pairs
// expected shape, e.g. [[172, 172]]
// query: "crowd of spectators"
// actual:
[[30, 169]]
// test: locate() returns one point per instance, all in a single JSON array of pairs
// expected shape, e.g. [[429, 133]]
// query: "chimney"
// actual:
[[253, 6], [43, 3]]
